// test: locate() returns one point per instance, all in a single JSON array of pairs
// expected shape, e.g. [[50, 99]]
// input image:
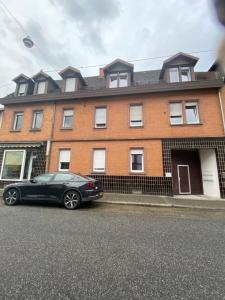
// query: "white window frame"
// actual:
[[66, 83], [19, 88], [64, 117], [181, 115], [134, 123], [15, 120], [22, 166], [35, 117], [170, 73], [39, 84], [189, 73], [117, 75], [59, 164], [138, 151], [99, 170], [100, 125], [192, 104]]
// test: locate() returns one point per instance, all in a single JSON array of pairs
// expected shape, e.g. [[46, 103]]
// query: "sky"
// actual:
[[83, 33]]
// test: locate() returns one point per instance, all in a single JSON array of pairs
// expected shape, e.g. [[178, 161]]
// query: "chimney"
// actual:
[[101, 73]]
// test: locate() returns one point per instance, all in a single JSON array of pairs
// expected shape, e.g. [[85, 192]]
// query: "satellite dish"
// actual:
[[28, 42]]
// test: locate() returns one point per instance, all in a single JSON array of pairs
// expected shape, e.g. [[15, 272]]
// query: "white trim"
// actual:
[[22, 166], [189, 183], [137, 151]]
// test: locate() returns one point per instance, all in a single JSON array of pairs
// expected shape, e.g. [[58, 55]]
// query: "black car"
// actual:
[[70, 189]]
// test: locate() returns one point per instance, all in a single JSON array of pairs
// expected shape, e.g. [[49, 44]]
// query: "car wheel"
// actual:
[[71, 200], [11, 197]]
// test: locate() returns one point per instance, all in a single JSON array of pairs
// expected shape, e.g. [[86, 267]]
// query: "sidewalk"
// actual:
[[197, 202]]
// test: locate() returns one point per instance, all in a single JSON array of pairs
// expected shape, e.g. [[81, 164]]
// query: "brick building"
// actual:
[[157, 132]]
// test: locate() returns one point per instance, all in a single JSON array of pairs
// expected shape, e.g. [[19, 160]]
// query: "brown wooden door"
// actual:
[[184, 179]]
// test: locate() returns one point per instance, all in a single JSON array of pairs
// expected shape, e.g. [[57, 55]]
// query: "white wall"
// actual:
[[209, 173]]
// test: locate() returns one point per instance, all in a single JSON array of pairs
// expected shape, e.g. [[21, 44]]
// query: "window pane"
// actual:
[[176, 113], [22, 89], [137, 160], [99, 160], [18, 121], [12, 164], [136, 115], [185, 74], [174, 75], [62, 177], [113, 81], [37, 120], [68, 118], [70, 84], [123, 79], [41, 87], [64, 160], [192, 113], [43, 177], [100, 117]]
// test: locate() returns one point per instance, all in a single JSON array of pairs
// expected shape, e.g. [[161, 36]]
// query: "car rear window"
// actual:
[[62, 177]]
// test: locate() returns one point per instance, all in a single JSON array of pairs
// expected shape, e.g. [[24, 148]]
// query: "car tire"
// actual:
[[11, 197], [71, 200]]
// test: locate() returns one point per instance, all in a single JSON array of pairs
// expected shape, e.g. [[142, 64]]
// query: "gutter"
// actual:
[[222, 110]]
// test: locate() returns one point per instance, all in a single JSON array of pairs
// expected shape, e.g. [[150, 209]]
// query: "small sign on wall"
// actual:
[[168, 174]]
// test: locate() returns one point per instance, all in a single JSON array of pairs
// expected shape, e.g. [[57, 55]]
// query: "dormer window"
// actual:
[[118, 80], [180, 74], [22, 89], [41, 87], [70, 84]]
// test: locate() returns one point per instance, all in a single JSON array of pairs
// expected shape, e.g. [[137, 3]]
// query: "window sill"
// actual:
[[187, 124], [100, 127], [14, 130], [137, 173], [141, 126], [98, 173], [69, 128], [35, 129]]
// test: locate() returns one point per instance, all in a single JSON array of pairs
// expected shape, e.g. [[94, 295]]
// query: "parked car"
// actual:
[[67, 188]]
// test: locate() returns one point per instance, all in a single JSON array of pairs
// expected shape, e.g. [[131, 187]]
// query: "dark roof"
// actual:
[[160, 87], [17, 78], [119, 61]]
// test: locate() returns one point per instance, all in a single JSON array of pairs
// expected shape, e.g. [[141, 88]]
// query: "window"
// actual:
[[22, 89], [70, 84], [63, 177], [185, 74], [136, 160], [136, 115], [191, 109], [99, 160], [44, 177], [68, 118], [184, 113], [174, 75], [176, 113], [13, 164], [37, 120], [100, 117], [118, 80], [18, 121], [64, 160], [41, 87]]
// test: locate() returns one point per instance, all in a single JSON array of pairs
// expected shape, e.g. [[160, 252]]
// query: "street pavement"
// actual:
[[111, 252]]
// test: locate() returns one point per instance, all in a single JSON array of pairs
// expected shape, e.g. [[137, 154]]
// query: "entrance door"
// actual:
[[184, 179]]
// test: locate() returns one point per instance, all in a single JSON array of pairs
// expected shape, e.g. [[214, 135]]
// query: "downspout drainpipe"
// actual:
[[222, 111], [49, 142]]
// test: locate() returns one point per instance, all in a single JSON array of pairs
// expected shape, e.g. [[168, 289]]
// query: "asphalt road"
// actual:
[[111, 252]]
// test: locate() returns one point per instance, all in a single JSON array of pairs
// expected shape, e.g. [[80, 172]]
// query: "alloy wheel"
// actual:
[[71, 200], [11, 197]]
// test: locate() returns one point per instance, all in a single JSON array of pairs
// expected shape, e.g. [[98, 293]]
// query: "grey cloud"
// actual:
[[90, 16]]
